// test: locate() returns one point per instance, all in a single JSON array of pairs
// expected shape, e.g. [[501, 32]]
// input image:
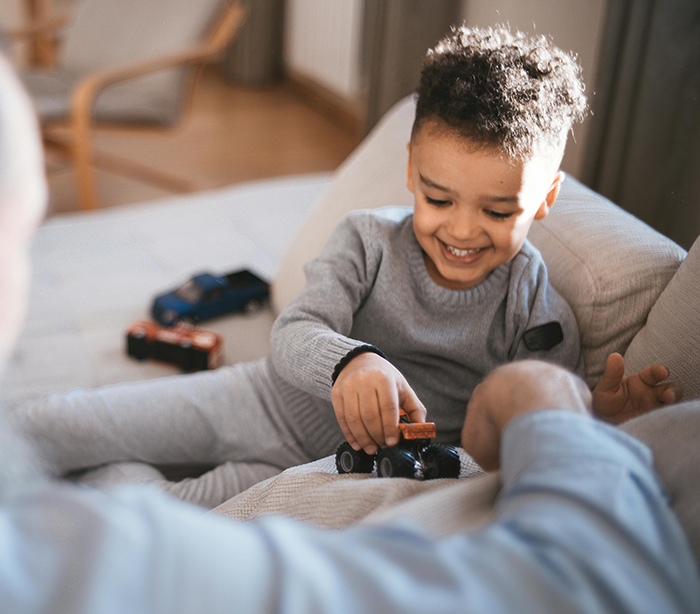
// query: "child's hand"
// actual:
[[617, 398], [366, 398]]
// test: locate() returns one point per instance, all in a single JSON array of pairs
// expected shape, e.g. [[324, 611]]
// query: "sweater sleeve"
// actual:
[[543, 325], [311, 335]]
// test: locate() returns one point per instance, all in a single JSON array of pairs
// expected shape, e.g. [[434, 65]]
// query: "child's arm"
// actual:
[[313, 347], [314, 332], [617, 398], [366, 398]]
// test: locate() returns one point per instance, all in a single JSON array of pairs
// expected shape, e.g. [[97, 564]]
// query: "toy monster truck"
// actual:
[[413, 457]]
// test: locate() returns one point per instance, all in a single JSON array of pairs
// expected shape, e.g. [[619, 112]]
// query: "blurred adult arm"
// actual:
[[582, 524]]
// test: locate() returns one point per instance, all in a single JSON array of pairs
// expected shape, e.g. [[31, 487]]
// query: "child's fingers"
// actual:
[[668, 393], [653, 375], [412, 405], [339, 407], [613, 374], [388, 399], [347, 404], [370, 414], [355, 422], [347, 412]]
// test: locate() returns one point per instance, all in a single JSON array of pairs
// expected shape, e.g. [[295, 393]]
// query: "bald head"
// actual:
[[21, 159], [22, 201]]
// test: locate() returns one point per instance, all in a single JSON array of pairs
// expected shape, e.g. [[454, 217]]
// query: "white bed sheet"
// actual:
[[94, 273]]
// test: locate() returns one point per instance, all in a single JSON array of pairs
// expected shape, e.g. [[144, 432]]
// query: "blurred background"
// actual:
[[305, 80]]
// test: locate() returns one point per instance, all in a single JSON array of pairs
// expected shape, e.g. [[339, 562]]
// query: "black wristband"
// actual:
[[360, 349]]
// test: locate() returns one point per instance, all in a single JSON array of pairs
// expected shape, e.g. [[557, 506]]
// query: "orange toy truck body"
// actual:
[[189, 347]]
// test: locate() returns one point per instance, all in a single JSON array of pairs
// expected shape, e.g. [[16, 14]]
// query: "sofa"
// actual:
[[632, 290]]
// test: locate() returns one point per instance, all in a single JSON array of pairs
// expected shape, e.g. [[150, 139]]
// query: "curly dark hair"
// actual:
[[498, 88]]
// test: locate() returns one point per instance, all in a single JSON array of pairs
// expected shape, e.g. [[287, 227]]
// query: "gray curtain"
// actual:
[[255, 58], [644, 148], [396, 35]]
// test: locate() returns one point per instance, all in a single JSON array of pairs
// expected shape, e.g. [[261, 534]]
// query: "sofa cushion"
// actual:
[[673, 433], [672, 331], [374, 175], [608, 265]]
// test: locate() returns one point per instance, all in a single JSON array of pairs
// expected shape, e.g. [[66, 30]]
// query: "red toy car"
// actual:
[[191, 348], [413, 457]]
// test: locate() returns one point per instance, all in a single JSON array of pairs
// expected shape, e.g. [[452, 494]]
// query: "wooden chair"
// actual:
[[40, 32], [127, 62]]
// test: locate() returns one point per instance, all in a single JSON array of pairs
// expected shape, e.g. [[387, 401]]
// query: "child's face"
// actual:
[[473, 209]]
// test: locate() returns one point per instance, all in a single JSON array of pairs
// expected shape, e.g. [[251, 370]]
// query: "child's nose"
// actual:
[[465, 225]]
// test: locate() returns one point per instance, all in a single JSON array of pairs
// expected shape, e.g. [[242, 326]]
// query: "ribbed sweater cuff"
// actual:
[[360, 349], [328, 357]]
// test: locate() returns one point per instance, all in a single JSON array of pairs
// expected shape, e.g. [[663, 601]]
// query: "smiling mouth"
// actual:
[[463, 253]]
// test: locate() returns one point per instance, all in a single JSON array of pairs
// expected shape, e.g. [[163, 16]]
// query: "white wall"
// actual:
[[574, 25], [322, 41]]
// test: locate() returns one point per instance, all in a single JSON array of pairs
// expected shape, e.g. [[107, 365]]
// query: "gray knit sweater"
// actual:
[[370, 286]]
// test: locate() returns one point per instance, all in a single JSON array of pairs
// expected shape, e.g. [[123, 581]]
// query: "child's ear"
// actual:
[[552, 194], [409, 181]]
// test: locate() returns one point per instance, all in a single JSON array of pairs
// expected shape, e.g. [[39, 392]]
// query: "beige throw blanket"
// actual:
[[316, 493]]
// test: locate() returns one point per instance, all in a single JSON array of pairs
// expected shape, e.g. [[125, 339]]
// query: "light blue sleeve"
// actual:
[[582, 525]]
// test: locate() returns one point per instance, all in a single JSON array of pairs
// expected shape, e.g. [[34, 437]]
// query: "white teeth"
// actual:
[[462, 253]]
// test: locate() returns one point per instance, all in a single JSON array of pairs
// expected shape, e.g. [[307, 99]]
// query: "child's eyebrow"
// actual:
[[432, 184], [502, 199], [509, 200]]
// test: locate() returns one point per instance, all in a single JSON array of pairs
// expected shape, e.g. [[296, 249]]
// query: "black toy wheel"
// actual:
[[440, 461], [186, 355], [348, 460], [137, 345], [396, 463]]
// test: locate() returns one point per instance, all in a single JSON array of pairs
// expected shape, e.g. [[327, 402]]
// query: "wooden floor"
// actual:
[[233, 134]]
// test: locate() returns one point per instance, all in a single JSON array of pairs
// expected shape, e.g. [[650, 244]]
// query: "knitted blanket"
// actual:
[[315, 493]]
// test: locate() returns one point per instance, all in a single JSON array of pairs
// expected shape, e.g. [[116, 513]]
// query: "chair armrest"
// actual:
[[88, 88]]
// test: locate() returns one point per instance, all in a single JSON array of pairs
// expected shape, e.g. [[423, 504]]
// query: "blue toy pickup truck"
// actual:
[[206, 296]]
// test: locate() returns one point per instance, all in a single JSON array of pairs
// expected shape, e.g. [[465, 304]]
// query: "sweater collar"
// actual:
[[495, 284]]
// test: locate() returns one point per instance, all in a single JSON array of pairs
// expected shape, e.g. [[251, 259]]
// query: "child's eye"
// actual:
[[437, 203], [496, 215]]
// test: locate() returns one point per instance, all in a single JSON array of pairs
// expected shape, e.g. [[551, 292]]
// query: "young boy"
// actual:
[[426, 303], [402, 309]]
